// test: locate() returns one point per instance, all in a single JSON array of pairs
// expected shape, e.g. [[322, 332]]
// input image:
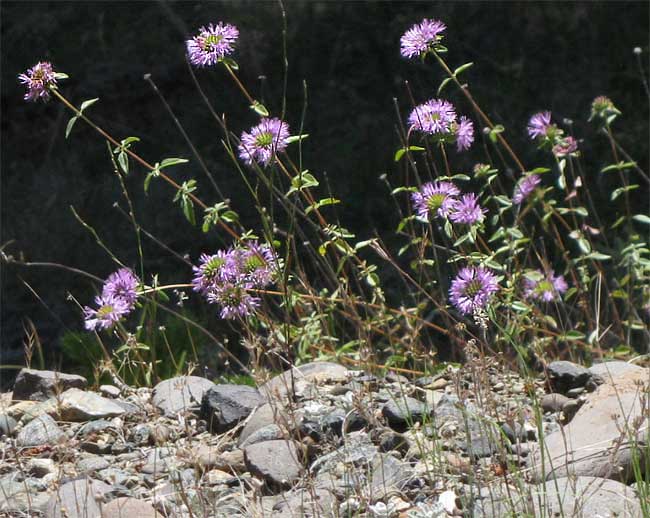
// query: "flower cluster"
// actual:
[[264, 141], [39, 80], [227, 277], [472, 289], [118, 298], [546, 287], [212, 44], [525, 187], [603, 108], [444, 199], [421, 38], [438, 118], [540, 128]]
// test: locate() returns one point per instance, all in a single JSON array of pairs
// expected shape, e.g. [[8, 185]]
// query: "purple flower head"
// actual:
[[565, 147], [212, 270], [421, 37], [525, 187], [539, 124], [121, 285], [234, 299], [264, 141], [435, 198], [212, 44], [467, 210], [39, 79], [433, 117], [547, 287], [110, 310], [257, 264], [464, 134], [472, 289]]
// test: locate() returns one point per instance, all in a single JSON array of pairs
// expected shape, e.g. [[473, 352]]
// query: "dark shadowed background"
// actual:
[[528, 56]]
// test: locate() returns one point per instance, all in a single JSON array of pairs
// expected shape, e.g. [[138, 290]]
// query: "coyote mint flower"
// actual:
[[525, 187], [549, 287], [435, 198], [110, 310], [227, 277], [467, 210], [264, 141], [565, 146], [39, 79], [438, 118], [539, 124], [117, 300], [212, 44], [421, 37], [472, 289]]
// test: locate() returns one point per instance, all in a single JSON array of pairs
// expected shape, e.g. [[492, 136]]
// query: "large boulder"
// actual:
[[37, 385], [603, 438], [223, 406], [180, 394]]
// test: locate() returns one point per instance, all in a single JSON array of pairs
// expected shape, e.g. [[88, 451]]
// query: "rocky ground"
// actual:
[[324, 441]]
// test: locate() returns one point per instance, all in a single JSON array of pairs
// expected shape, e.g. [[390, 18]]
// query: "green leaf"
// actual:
[[597, 256], [618, 167], [188, 210], [123, 161], [88, 103], [61, 75], [642, 218], [397, 190], [153, 174], [621, 190], [167, 162], [322, 203], [259, 108], [296, 138], [71, 123], [302, 181], [462, 68], [443, 84], [230, 62], [572, 336], [402, 151]]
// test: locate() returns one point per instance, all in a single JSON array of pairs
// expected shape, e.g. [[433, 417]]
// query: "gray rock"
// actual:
[[224, 406], [17, 497], [36, 385], [404, 411], [40, 467], [77, 499], [603, 437], [92, 464], [583, 497], [94, 427], [301, 503], [7, 425], [267, 414], [40, 431], [300, 378], [267, 433], [180, 394], [276, 462], [553, 402], [387, 475], [129, 508], [610, 371], [110, 391], [207, 457], [159, 460], [564, 376], [77, 405]]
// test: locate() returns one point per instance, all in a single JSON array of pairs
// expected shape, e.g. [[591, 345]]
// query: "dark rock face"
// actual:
[[223, 406], [35, 385], [564, 376], [404, 411]]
